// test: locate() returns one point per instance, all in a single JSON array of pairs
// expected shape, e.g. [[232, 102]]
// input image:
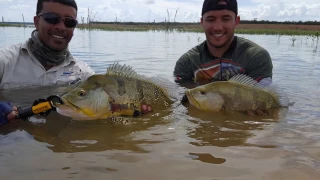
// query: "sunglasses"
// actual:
[[53, 18]]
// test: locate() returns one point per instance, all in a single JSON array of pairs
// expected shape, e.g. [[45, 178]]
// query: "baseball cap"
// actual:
[[211, 5]]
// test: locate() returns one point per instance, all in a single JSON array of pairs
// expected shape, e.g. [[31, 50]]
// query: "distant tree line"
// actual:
[[280, 22], [195, 23]]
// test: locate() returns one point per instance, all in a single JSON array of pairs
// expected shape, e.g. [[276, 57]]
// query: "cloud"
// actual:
[[282, 12], [19, 7], [150, 2]]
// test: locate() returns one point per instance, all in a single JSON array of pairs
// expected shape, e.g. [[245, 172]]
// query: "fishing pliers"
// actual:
[[40, 106]]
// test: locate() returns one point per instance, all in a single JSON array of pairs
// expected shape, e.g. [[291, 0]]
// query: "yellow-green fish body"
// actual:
[[240, 93], [119, 92]]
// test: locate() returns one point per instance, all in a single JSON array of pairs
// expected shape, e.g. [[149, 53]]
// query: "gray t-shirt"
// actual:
[[243, 57]]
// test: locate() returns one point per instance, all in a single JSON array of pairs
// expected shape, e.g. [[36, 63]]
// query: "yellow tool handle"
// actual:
[[41, 107]]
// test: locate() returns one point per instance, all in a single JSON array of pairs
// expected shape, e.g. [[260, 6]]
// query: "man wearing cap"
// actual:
[[223, 55]]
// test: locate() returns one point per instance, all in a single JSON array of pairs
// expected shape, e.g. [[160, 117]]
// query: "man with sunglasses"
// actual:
[[44, 59], [222, 55]]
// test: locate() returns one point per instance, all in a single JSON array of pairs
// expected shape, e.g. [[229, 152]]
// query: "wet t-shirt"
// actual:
[[243, 57]]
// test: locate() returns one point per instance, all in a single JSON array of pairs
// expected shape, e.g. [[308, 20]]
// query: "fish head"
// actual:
[[88, 101], [205, 98]]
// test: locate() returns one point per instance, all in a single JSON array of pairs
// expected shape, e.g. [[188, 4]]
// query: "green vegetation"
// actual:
[[198, 29], [11, 25], [309, 28], [265, 31], [245, 27], [280, 22], [277, 32]]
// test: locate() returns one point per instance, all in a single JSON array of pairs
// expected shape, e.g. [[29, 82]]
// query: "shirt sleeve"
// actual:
[[260, 66], [6, 55], [183, 70], [266, 81], [2, 65]]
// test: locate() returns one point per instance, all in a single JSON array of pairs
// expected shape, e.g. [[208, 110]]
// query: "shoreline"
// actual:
[[265, 29]]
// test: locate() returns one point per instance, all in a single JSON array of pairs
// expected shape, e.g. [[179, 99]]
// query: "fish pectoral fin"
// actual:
[[218, 102], [127, 112], [124, 109]]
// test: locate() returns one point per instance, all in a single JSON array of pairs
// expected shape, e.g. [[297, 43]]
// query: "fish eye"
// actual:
[[202, 92], [82, 93]]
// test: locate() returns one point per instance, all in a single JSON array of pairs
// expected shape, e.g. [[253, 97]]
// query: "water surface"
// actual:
[[182, 144]]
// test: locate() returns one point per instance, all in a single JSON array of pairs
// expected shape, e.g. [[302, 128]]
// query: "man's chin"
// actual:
[[58, 46], [219, 46], [221, 43]]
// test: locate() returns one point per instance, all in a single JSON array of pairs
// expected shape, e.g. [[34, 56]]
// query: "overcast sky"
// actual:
[[187, 10]]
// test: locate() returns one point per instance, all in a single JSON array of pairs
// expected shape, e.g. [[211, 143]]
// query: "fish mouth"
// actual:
[[68, 104], [70, 109], [191, 99]]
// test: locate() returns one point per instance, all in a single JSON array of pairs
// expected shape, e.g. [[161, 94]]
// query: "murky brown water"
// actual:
[[182, 143]]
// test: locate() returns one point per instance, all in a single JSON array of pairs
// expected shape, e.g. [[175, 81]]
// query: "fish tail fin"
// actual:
[[168, 86], [279, 93]]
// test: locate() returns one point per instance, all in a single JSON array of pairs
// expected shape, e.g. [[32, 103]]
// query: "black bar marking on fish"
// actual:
[[118, 107], [256, 96], [156, 93], [121, 87], [140, 90]]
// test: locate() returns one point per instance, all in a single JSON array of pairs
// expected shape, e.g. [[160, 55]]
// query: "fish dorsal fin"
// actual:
[[245, 80], [273, 89], [122, 70]]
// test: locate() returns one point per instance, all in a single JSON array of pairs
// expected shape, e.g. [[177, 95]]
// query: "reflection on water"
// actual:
[[185, 143], [65, 135], [27, 95], [207, 158], [229, 129]]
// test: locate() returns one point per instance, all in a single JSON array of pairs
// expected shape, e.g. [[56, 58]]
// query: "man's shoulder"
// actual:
[[11, 53], [246, 43], [195, 51], [248, 46], [198, 48], [13, 47]]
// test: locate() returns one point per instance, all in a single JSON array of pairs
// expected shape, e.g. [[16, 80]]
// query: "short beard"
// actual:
[[223, 45]]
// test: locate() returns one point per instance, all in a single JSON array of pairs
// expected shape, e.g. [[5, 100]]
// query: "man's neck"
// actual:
[[219, 52]]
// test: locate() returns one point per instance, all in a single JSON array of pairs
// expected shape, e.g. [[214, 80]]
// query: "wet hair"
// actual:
[[71, 3]]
